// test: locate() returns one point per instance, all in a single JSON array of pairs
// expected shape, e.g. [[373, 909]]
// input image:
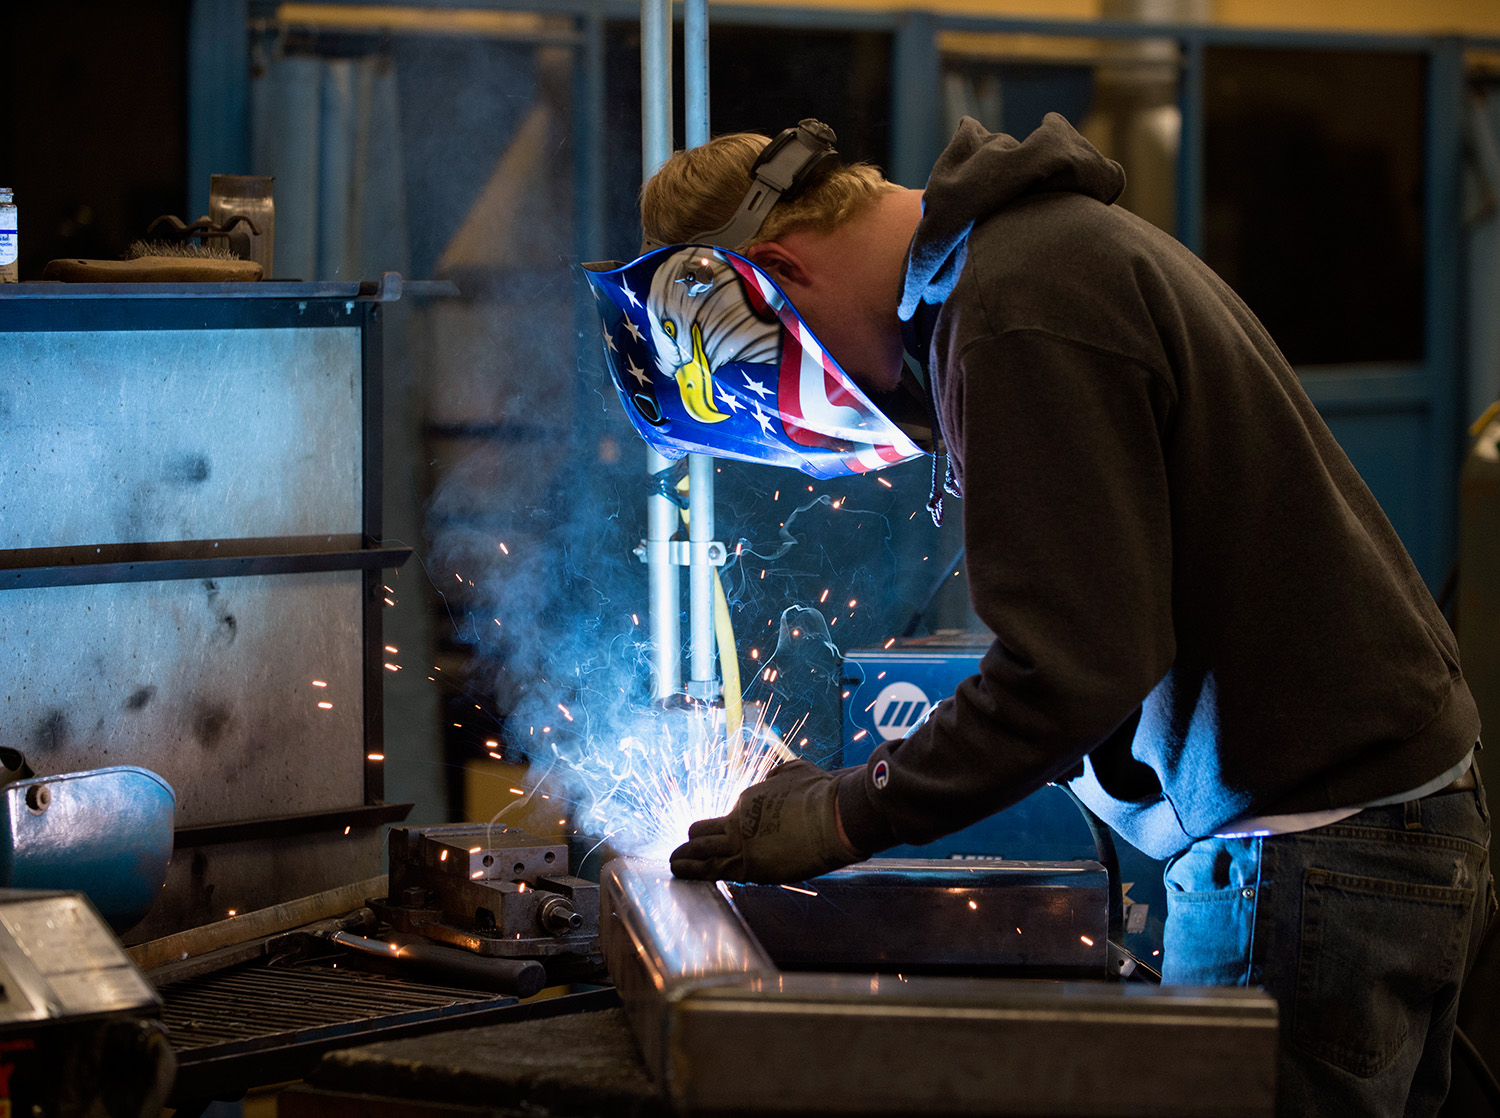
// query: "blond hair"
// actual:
[[699, 190]]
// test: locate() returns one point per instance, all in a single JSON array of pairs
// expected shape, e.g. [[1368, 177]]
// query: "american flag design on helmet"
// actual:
[[710, 357]]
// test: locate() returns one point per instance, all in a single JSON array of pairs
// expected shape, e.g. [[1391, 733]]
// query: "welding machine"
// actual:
[[889, 690]]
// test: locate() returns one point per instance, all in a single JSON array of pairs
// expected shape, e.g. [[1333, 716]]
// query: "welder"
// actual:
[[1203, 623]]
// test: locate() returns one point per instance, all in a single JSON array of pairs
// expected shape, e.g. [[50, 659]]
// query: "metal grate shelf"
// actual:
[[259, 1007]]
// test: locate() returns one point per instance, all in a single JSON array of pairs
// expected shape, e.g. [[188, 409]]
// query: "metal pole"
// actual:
[[703, 681], [695, 70], [661, 511]]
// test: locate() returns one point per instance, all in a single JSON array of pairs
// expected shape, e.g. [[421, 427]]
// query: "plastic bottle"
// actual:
[[10, 241]]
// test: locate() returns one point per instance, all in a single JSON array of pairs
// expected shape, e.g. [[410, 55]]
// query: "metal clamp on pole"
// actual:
[[680, 553]]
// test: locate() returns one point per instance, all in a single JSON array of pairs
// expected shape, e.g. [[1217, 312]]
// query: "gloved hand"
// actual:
[[783, 829]]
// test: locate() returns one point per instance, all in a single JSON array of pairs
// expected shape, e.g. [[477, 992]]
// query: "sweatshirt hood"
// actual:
[[983, 171]]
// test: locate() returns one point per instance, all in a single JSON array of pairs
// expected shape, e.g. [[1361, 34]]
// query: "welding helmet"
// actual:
[[710, 357]]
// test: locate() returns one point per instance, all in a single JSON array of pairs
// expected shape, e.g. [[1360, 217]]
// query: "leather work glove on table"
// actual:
[[783, 829]]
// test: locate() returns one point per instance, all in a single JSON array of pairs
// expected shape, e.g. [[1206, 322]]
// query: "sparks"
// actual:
[[565, 712], [325, 706], [392, 649], [1087, 940], [346, 830], [795, 889], [374, 756], [888, 643], [392, 667], [642, 796], [320, 683], [974, 906], [823, 597], [504, 550], [885, 483]]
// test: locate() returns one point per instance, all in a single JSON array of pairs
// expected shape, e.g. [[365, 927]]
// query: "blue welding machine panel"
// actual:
[[888, 692]]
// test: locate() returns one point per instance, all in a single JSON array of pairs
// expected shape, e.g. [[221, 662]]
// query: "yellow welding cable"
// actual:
[[729, 661]]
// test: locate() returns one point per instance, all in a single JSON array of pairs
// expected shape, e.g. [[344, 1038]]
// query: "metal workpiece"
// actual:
[[1040, 919], [491, 890], [664, 940], [706, 976]]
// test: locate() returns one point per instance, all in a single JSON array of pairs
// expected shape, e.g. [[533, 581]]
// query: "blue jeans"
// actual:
[[1362, 931]]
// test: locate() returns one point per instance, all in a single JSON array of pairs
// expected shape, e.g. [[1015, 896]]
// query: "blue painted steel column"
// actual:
[[218, 96], [1443, 264], [661, 511], [916, 89]]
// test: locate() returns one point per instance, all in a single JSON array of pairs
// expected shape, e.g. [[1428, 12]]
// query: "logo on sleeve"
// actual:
[[881, 774]]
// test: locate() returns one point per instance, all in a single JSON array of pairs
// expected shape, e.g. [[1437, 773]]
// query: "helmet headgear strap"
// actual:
[[784, 168]]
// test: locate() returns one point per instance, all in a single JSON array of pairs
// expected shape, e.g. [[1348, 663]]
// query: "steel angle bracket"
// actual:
[[723, 1028]]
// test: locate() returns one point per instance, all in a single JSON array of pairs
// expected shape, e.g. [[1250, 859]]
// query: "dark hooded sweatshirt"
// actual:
[[1191, 590]]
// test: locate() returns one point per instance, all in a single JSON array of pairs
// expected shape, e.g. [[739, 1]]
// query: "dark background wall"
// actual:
[[93, 134]]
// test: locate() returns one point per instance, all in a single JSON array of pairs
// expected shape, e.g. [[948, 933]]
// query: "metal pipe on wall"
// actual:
[[661, 510], [702, 679]]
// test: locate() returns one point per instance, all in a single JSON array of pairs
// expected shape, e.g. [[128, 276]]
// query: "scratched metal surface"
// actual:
[[164, 435], [207, 682]]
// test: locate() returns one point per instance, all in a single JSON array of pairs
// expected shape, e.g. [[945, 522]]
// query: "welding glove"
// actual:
[[783, 829]]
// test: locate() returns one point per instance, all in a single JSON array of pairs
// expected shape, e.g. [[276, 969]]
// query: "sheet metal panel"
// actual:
[[206, 883], [705, 1002], [117, 436], [207, 682]]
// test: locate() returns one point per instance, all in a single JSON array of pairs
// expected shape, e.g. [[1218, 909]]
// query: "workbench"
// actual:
[[577, 1066]]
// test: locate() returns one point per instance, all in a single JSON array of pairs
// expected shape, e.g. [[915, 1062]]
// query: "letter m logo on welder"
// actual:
[[904, 715], [897, 709]]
